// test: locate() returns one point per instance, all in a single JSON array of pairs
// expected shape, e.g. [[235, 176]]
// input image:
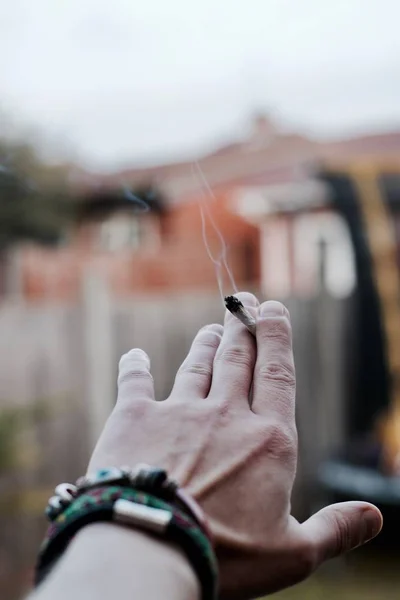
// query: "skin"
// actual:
[[227, 434], [106, 561]]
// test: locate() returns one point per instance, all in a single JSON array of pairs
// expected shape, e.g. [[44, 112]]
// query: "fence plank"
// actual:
[[58, 367]]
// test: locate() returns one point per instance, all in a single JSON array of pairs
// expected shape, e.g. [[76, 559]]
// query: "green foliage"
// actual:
[[9, 426], [34, 201], [12, 422]]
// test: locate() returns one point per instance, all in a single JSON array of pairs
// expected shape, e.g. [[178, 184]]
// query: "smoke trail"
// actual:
[[141, 204], [220, 262], [216, 262]]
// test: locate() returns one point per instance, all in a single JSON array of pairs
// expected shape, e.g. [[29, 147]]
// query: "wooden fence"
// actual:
[[58, 367]]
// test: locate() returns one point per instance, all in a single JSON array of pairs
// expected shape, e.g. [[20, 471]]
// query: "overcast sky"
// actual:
[[129, 80]]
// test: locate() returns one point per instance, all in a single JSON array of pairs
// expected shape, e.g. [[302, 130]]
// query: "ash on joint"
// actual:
[[232, 303]]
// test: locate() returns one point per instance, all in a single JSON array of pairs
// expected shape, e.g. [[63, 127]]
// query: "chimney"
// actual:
[[264, 131]]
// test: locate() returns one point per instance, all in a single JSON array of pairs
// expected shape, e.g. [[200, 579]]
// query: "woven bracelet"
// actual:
[[126, 505]]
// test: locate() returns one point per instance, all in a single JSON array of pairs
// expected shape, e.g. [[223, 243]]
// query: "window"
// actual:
[[292, 254], [121, 232], [339, 272]]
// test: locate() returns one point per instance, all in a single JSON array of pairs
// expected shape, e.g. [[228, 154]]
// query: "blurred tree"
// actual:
[[34, 201]]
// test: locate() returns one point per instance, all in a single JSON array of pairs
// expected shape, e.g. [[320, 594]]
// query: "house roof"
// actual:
[[373, 145], [268, 155]]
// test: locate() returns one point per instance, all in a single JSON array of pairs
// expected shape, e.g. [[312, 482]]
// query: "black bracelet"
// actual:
[[132, 507]]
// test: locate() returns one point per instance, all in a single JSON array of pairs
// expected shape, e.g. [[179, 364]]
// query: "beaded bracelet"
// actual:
[[143, 477], [121, 504]]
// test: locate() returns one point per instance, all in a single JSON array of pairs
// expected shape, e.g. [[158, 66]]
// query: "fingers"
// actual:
[[134, 378], [339, 528], [193, 380], [235, 357], [274, 373]]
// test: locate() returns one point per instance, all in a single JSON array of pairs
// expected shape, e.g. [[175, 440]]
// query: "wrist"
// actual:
[[137, 564], [141, 498]]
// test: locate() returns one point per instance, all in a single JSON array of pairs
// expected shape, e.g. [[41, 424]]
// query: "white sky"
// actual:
[[133, 80]]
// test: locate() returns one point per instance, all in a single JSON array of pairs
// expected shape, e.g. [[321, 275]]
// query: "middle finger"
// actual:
[[235, 358]]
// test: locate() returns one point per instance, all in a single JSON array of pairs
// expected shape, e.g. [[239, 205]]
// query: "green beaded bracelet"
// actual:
[[134, 508]]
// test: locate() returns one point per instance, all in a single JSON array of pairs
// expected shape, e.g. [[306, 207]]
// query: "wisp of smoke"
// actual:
[[141, 204], [221, 261]]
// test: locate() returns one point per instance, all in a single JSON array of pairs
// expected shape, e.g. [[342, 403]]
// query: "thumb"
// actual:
[[341, 527]]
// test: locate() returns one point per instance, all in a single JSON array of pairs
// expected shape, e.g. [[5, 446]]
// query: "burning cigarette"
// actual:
[[236, 307]]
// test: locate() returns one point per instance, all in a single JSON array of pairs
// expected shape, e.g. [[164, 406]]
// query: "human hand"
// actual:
[[227, 434]]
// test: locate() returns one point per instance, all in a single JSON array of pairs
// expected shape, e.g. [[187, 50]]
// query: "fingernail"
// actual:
[[134, 354], [138, 352], [214, 328], [372, 524], [272, 309]]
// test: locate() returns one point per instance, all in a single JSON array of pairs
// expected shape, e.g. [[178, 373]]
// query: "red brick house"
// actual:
[[152, 252], [163, 249]]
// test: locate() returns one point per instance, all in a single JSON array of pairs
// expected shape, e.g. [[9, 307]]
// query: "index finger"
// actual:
[[274, 374]]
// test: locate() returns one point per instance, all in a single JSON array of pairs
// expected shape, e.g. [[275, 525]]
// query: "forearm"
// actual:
[[106, 561]]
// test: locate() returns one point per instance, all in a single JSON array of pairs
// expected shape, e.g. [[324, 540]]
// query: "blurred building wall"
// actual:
[[168, 256], [167, 252]]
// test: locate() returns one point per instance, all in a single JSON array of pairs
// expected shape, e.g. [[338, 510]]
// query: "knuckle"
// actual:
[[224, 411], [280, 441], [134, 373], [208, 339], [279, 330], [341, 525], [236, 355], [196, 368], [281, 373], [213, 328]]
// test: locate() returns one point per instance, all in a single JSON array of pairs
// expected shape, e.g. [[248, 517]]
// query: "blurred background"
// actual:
[[138, 139]]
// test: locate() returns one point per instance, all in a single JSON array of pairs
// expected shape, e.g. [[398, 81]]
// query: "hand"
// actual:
[[227, 433]]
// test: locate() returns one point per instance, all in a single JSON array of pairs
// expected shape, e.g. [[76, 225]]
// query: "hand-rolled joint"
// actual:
[[236, 307]]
